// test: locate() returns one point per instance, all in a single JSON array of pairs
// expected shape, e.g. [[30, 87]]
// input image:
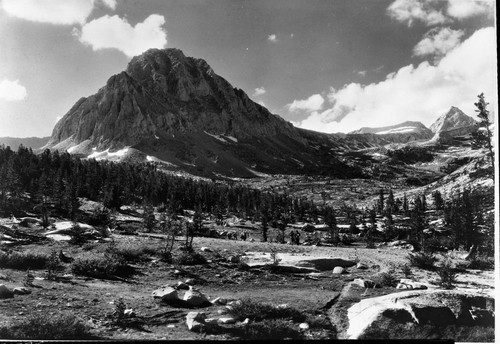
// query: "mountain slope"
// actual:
[[31, 142], [170, 108]]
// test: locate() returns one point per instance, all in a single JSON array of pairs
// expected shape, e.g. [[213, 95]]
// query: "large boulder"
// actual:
[[375, 317]]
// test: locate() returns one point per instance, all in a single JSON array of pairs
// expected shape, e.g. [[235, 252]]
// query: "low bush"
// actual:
[[100, 265], [256, 311], [44, 325], [482, 263], [423, 260], [273, 329], [189, 258], [386, 279], [447, 275], [132, 251], [23, 260]]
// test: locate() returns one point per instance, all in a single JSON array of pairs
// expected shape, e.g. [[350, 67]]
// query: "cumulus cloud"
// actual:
[[418, 93], [12, 90], [438, 41], [461, 9], [434, 12], [313, 103], [55, 12], [409, 11], [259, 91], [116, 33], [272, 38], [361, 72]]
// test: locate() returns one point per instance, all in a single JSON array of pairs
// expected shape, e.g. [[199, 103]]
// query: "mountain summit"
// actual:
[[174, 109], [452, 120]]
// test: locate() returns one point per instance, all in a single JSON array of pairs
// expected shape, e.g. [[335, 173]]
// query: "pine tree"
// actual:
[[331, 222], [482, 137]]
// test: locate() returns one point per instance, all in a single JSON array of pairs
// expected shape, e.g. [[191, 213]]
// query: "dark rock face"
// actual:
[[178, 110]]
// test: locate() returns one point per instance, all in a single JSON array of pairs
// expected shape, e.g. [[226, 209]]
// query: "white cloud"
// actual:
[[262, 103], [272, 38], [313, 103], [259, 91], [58, 12], [110, 3], [438, 42], [420, 93], [410, 11], [361, 72], [12, 90], [115, 32], [434, 12], [461, 9]]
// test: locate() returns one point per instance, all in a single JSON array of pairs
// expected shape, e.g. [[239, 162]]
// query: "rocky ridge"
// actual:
[[175, 109]]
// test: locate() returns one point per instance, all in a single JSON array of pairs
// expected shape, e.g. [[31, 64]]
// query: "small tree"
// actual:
[[481, 138], [149, 218]]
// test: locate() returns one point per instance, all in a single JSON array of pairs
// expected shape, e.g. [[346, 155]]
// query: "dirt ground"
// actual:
[[93, 299]]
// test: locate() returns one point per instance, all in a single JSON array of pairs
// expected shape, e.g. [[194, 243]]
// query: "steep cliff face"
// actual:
[[175, 109], [453, 120]]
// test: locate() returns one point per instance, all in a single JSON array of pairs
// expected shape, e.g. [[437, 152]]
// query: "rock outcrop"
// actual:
[[397, 315]]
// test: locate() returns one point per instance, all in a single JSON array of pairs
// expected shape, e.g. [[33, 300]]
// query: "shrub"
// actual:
[[406, 270], [386, 279], [100, 265], [53, 265], [131, 251], [46, 326], [23, 260], [189, 258], [78, 236], [273, 329], [482, 263], [256, 311], [447, 275], [423, 260]]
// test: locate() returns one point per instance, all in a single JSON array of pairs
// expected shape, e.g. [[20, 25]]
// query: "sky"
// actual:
[[325, 65]]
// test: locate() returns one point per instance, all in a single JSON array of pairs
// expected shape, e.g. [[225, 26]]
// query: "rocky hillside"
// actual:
[[176, 110]]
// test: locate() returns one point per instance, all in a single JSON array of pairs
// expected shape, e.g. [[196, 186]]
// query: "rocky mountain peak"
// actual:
[[451, 120]]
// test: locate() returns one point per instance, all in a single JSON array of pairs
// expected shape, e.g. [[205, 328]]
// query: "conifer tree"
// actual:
[[482, 137]]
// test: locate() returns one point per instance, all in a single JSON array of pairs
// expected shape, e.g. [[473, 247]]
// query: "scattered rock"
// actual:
[[195, 298], [181, 285], [21, 291], [190, 281], [205, 249], [195, 321], [304, 326], [234, 259], [361, 266], [246, 321], [166, 294], [338, 270], [5, 293], [364, 283], [227, 320], [409, 284], [219, 301], [129, 313]]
